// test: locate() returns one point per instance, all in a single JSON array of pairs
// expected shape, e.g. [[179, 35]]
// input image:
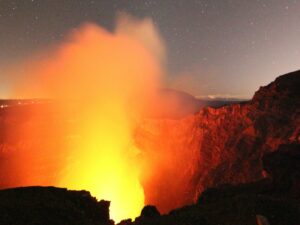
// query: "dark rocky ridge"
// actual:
[[53, 206], [275, 198], [174, 104], [218, 145]]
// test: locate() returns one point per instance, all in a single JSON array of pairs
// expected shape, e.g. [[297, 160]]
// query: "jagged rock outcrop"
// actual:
[[51, 206], [218, 145], [269, 199], [283, 166]]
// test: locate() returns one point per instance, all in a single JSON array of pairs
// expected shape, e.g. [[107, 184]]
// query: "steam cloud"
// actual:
[[104, 82]]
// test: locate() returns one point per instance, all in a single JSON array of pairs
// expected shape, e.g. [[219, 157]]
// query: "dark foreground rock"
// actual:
[[275, 199], [51, 206]]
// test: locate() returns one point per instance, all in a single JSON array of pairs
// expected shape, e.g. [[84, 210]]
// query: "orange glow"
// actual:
[[103, 161], [102, 83], [94, 134]]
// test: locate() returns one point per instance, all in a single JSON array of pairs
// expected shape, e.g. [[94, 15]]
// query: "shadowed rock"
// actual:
[[150, 211], [51, 206], [283, 166], [256, 203]]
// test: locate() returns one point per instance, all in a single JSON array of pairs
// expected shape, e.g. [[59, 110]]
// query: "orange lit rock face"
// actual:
[[217, 146], [171, 148]]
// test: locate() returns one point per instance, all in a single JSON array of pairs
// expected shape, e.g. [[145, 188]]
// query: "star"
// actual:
[[191, 30]]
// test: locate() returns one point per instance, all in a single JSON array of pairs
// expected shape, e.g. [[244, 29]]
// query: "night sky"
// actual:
[[221, 48]]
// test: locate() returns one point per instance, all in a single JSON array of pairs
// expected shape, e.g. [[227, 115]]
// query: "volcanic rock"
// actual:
[[217, 145], [284, 168], [150, 211], [51, 206], [245, 204]]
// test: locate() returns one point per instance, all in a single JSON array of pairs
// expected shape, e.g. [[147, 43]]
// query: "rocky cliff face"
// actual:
[[218, 145]]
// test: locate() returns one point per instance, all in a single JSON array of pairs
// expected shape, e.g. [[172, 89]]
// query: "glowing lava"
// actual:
[[103, 160]]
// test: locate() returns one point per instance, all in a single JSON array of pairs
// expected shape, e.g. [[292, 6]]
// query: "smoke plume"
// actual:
[[102, 82]]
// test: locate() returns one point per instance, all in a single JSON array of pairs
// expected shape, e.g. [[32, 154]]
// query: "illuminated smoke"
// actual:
[[102, 81]]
